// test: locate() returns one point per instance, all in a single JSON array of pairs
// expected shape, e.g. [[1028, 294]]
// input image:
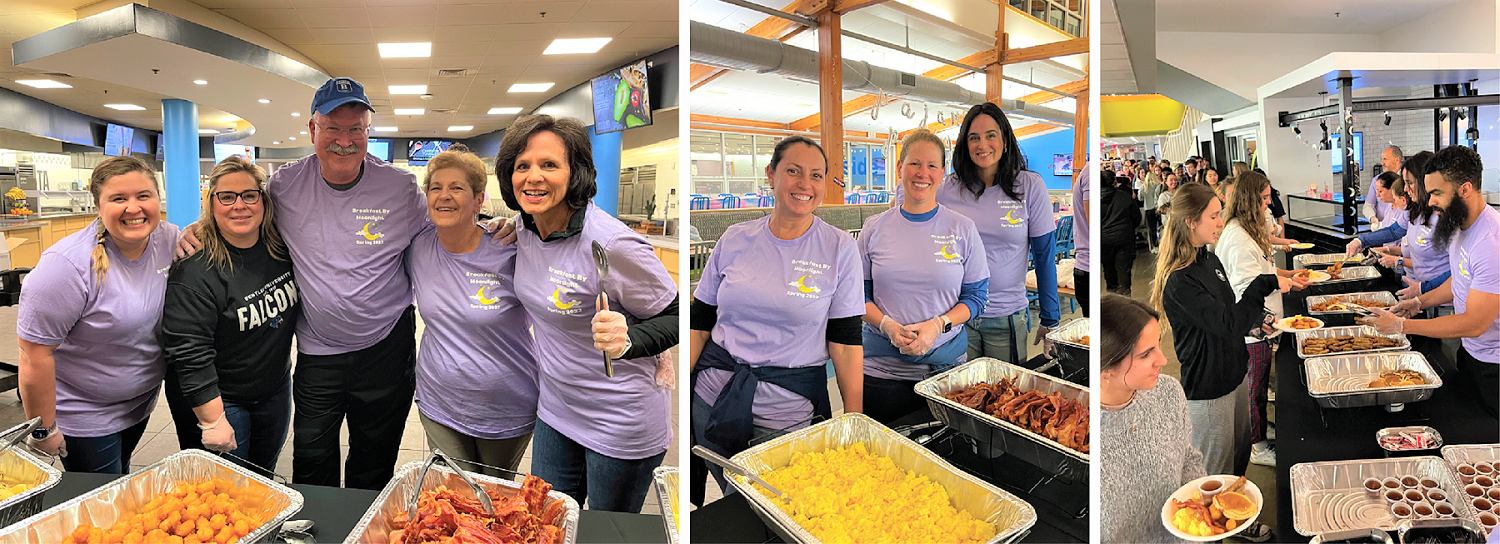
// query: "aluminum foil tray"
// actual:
[[375, 525], [1437, 439], [666, 494], [1064, 462], [19, 467], [1011, 515], [1355, 330], [1471, 453], [1330, 496], [1353, 273], [1309, 260], [104, 506], [1381, 296], [1340, 381], [1073, 356]]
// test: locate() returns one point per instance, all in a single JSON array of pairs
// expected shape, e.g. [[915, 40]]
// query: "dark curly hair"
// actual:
[[575, 137], [1012, 162]]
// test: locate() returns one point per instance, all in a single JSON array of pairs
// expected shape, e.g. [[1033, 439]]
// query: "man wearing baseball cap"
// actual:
[[347, 217]]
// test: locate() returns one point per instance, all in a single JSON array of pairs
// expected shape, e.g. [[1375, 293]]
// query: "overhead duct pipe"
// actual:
[[725, 48]]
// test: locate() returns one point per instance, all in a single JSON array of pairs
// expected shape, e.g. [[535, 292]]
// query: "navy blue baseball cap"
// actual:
[[337, 92]]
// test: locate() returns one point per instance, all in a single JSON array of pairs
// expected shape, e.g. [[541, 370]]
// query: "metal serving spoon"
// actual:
[[734, 467], [601, 261]]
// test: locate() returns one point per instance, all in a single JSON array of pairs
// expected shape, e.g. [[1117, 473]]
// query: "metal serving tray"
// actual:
[[1330, 496], [1471, 453], [109, 503], [1379, 296], [19, 467], [1355, 330], [1321, 261], [375, 525], [1012, 516], [1437, 439], [1073, 357], [666, 494], [1064, 462], [1340, 381]]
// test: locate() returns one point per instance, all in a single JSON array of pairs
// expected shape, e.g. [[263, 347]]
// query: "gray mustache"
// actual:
[[337, 149]]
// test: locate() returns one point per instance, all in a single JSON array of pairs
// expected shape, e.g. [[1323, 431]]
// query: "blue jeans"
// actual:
[[260, 428], [610, 484], [997, 337], [109, 454]]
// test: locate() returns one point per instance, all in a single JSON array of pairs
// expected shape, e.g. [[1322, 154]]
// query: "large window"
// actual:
[[728, 162], [1064, 15]]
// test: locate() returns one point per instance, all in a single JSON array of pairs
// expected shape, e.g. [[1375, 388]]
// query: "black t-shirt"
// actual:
[[229, 332]]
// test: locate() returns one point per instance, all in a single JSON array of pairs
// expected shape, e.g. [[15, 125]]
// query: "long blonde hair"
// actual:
[[214, 245], [105, 171], [1177, 251], [1244, 206]]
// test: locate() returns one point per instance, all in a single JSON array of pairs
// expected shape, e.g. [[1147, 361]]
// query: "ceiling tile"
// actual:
[[266, 18], [336, 36], [393, 3], [465, 34], [404, 34], [401, 16], [593, 30], [650, 30], [291, 36], [316, 18], [613, 11]]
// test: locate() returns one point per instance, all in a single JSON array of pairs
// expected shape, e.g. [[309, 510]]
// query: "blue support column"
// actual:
[[179, 131], [607, 148]]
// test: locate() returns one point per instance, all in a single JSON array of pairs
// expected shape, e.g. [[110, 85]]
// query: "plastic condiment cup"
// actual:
[[1410, 482], [1436, 495], [1482, 504], [1391, 483], [1429, 483], [1494, 494], [1209, 488], [1488, 519], [1473, 490], [1443, 508], [1402, 510], [1372, 487], [1422, 509], [1394, 495], [1413, 496], [1466, 472], [1484, 468]]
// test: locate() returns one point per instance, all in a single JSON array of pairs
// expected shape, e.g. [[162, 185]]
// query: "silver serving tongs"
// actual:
[[1352, 307], [601, 261], [411, 505], [734, 467], [15, 435]]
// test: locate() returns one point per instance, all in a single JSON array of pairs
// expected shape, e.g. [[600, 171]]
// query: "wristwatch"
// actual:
[[42, 433], [947, 323]]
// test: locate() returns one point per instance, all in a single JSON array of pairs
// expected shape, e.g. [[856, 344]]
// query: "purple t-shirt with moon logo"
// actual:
[[1081, 244], [775, 298], [918, 269], [109, 361], [475, 370], [1475, 262], [627, 416], [1006, 226], [347, 250], [1428, 261]]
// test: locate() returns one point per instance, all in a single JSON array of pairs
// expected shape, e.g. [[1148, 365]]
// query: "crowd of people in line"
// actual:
[[333, 250]]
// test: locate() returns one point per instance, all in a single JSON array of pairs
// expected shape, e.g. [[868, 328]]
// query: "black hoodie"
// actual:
[[1119, 214], [1209, 327]]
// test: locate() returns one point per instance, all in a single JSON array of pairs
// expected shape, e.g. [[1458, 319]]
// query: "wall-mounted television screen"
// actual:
[[1062, 164], [1359, 153], [418, 152], [621, 99], [117, 140], [224, 151], [381, 149], [161, 147]]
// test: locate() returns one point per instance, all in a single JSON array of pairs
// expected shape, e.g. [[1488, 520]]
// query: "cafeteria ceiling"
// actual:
[[764, 97], [1290, 16], [496, 43]]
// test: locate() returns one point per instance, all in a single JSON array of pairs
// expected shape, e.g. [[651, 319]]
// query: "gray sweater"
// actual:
[[1147, 454]]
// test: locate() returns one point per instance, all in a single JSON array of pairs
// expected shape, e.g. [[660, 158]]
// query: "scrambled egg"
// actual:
[[848, 495], [7, 492]]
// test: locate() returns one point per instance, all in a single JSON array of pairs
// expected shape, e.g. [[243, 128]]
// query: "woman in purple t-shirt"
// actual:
[[603, 421], [90, 362]]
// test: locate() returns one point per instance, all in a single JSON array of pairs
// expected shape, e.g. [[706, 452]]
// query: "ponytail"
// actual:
[[101, 255]]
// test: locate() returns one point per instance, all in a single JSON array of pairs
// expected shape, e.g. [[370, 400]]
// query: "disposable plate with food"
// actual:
[[1313, 276], [1233, 498], [1303, 245], [1298, 323]]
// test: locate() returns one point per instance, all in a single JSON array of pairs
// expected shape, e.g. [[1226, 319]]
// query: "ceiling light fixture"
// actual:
[[407, 89], [410, 111], [384, 129], [292, 138], [464, 128], [124, 107], [530, 87], [264, 101], [44, 84], [405, 50], [504, 111], [296, 114], [207, 131], [575, 46], [276, 143], [200, 82], [304, 133]]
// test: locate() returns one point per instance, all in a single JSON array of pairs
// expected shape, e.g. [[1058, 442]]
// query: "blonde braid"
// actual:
[[101, 255]]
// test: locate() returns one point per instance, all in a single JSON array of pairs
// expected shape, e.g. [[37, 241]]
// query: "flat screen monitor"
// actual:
[[117, 140], [161, 147], [224, 151], [1062, 164], [381, 149], [1359, 153], [622, 99], [418, 152]]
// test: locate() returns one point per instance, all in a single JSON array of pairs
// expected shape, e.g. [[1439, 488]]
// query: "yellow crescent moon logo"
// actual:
[[1009, 220], [369, 235], [943, 252], [802, 286], [479, 296], [557, 302], [1463, 265]]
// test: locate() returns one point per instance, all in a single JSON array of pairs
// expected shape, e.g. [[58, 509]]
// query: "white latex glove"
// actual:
[[218, 436], [898, 334], [1387, 322], [666, 371], [609, 329], [187, 241], [1041, 338], [54, 445], [1354, 246], [1412, 290], [1389, 261], [926, 333], [1407, 308], [504, 230]]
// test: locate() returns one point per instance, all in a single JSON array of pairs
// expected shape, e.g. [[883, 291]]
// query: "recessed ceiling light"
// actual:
[[384, 129], [575, 46], [405, 50], [264, 101], [304, 133], [408, 89], [207, 131], [504, 111], [124, 107], [44, 84], [410, 111], [529, 87], [296, 114], [292, 138], [200, 82], [464, 128], [276, 143]]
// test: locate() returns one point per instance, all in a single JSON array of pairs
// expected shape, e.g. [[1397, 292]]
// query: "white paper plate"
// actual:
[[1281, 324], [1185, 493]]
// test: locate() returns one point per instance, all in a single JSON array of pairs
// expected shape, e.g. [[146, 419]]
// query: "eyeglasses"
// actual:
[[354, 133], [227, 198]]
